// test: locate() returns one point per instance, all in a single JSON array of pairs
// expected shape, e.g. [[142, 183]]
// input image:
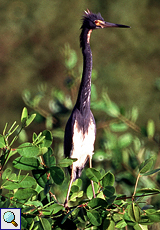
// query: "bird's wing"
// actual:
[[68, 137]]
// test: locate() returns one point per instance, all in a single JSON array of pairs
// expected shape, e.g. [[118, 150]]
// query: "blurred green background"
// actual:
[[34, 32]]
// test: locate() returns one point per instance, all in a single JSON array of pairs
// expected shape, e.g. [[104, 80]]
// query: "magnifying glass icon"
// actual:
[[9, 217]]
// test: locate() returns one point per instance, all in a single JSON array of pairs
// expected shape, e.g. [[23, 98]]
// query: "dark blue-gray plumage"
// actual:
[[80, 131]]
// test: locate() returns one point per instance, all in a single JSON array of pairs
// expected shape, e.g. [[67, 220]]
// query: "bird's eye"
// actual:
[[98, 23]]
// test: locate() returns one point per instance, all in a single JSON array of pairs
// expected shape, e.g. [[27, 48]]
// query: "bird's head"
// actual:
[[95, 21]]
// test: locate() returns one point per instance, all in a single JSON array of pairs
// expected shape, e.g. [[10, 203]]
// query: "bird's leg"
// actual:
[[69, 189], [92, 183]]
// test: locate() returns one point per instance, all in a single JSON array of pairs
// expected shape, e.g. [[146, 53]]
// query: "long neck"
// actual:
[[83, 99]]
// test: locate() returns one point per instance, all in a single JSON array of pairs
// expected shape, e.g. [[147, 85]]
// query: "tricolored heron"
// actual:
[[80, 131]]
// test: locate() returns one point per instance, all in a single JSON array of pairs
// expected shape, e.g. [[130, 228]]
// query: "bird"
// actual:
[[80, 130]]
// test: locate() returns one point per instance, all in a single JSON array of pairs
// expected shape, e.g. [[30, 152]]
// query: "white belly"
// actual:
[[83, 144]]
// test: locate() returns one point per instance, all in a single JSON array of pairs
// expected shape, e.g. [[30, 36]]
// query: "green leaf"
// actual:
[[151, 172], [74, 188], [154, 217], [6, 173], [146, 165], [65, 217], [23, 223], [94, 218], [6, 204], [140, 227], [93, 174], [57, 174], [28, 150], [43, 150], [112, 109], [150, 129], [45, 224], [134, 114], [111, 199], [47, 187], [30, 119], [34, 136], [109, 191], [108, 179], [118, 127], [97, 202], [2, 142], [76, 195], [125, 140], [26, 163], [89, 192], [52, 209], [35, 203], [8, 154], [71, 62], [134, 212], [111, 226], [49, 159], [99, 105], [13, 177], [25, 193], [71, 59], [24, 116], [10, 185], [38, 139], [66, 162], [78, 183], [40, 176], [148, 190], [121, 224], [151, 211], [47, 140], [80, 194], [106, 224], [26, 182]]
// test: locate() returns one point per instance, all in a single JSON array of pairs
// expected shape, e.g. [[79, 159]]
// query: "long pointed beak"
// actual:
[[108, 24]]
